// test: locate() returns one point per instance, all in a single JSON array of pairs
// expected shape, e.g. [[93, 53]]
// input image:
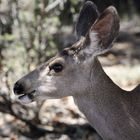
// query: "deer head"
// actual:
[[68, 73]]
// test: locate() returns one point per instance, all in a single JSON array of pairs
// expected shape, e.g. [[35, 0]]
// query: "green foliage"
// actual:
[[30, 32]]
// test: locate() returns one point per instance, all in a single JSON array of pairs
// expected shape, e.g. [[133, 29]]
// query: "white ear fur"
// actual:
[[92, 49], [95, 46]]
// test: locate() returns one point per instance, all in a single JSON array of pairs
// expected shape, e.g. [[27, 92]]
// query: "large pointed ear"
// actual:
[[87, 17], [104, 30], [98, 39]]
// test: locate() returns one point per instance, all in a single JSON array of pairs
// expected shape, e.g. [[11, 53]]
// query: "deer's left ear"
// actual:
[[104, 31], [88, 14]]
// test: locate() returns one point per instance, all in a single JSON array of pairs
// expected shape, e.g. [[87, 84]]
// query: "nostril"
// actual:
[[18, 88]]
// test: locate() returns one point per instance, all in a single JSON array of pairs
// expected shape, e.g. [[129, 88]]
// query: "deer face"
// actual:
[[68, 73], [62, 75], [54, 79]]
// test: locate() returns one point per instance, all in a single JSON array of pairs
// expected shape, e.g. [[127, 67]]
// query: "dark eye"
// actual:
[[57, 67]]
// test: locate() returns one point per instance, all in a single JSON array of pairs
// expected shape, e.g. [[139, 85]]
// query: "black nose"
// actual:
[[18, 88]]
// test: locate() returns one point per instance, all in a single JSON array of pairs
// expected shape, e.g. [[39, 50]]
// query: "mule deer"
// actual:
[[76, 71]]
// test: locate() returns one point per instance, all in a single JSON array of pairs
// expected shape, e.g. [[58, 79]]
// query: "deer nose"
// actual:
[[18, 88]]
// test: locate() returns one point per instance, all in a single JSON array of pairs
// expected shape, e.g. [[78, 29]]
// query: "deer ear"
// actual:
[[104, 30], [87, 17]]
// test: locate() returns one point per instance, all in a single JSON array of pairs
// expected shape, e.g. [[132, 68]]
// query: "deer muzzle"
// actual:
[[23, 92]]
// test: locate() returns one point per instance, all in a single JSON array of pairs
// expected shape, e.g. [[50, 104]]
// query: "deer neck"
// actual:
[[101, 101], [99, 85]]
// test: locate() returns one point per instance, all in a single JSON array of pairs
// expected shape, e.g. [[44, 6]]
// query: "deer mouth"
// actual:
[[27, 97]]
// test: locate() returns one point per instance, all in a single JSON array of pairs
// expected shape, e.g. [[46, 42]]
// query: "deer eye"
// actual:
[[57, 67]]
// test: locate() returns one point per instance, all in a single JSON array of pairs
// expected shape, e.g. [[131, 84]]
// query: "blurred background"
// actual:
[[32, 31]]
